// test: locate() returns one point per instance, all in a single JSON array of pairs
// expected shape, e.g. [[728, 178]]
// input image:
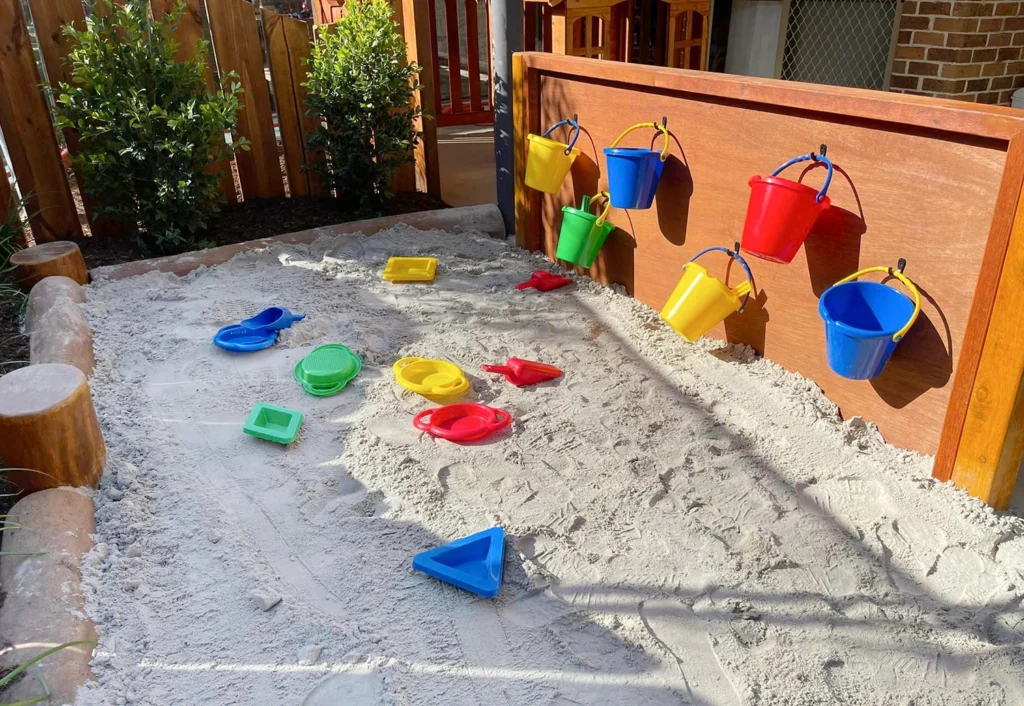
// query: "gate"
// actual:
[[462, 61]]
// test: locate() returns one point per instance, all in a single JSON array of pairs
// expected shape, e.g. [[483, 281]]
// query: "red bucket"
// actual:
[[781, 212]]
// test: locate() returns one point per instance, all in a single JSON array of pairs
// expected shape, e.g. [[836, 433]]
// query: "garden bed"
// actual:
[[686, 523]]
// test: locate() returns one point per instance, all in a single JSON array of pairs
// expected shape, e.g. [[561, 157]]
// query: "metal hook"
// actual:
[[901, 264], [822, 149], [576, 118], [664, 121], [736, 247]]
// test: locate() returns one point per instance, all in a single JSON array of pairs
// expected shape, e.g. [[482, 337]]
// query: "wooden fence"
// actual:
[[237, 45]]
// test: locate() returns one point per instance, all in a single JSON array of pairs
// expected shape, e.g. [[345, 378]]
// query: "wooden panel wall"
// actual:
[[915, 178], [288, 48], [28, 131], [236, 40]]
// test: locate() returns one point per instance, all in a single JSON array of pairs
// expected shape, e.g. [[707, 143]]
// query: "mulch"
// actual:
[[249, 220]]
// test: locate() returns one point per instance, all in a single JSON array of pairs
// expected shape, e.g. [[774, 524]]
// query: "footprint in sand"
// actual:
[[348, 689]]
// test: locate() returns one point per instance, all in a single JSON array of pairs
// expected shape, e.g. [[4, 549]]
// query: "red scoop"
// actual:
[[544, 281], [521, 372], [463, 421]]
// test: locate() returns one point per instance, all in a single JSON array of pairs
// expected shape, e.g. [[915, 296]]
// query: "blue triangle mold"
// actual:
[[473, 563]]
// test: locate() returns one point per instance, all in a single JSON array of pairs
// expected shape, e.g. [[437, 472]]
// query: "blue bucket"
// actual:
[[634, 173], [864, 321]]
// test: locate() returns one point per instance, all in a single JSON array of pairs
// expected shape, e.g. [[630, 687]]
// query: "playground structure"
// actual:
[[935, 183]]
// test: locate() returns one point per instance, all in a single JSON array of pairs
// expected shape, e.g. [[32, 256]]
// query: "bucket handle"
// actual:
[[735, 255], [575, 134], [814, 158], [661, 127], [588, 201], [898, 274]]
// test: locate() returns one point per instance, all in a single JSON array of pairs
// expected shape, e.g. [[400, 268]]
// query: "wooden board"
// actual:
[[288, 45], [920, 179], [192, 30], [236, 40], [28, 131], [420, 49]]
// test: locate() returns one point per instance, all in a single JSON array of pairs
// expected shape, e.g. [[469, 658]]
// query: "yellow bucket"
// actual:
[[549, 161], [699, 302]]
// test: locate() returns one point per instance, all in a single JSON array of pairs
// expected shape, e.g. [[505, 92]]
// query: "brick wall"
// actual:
[[967, 49]]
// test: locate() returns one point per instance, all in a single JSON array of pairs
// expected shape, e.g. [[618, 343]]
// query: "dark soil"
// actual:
[[249, 220]]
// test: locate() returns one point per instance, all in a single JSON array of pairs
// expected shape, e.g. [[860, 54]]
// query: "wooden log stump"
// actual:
[[62, 335], [60, 258], [47, 293], [48, 424], [44, 605]]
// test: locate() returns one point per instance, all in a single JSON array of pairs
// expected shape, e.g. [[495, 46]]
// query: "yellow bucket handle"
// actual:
[[607, 206], [906, 283], [657, 126]]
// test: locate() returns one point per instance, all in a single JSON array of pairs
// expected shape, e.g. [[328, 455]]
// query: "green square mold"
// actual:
[[267, 421]]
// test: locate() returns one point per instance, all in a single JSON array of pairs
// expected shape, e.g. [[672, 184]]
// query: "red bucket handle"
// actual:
[[814, 158], [735, 255]]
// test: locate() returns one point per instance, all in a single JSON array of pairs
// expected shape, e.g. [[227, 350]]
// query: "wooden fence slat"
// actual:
[[473, 56], [451, 28], [421, 48], [287, 44], [192, 30], [50, 17], [28, 130], [236, 40]]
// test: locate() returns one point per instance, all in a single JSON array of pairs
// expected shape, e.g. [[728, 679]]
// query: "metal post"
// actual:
[[506, 37]]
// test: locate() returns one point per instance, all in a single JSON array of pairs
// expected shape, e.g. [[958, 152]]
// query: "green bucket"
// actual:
[[583, 233]]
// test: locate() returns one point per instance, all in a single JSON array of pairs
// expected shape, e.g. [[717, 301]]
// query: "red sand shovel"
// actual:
[[544, 281], [521, 372]]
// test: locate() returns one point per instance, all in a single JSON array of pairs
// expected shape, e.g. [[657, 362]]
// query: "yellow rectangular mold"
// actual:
[[411, 269]]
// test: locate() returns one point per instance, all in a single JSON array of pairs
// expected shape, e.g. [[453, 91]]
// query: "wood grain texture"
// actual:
[[524, 109], [931, 199], [192, 30], [28, 131], [281, 33], [992, 439], [56, 259], [421, 49], [236, 40], [981, 309], [48, 424]]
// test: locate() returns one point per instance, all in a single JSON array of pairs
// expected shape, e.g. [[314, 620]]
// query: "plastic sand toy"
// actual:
[[411, 269], [431, 378], [465, 421], [521, 372], [272, 423], [327, 369], [240, 339], [474, 563], [273, 319], [544, 281]]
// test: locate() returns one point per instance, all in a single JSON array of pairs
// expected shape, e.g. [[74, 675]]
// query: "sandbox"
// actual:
[[685, 523]]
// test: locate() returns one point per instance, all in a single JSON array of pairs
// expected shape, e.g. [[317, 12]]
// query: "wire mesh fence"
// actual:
[[839, 42]]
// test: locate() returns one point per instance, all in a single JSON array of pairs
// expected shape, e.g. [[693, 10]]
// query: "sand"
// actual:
[[686, 524]]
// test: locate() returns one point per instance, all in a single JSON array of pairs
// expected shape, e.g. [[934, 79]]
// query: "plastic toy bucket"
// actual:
[[548, 161], [699, 302], [583, 233], [781, 212], [634, 173], [864, 321]]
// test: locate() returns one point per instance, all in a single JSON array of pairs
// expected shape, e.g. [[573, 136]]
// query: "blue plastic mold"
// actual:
[[241, 339], [474, 563], [273, 319]]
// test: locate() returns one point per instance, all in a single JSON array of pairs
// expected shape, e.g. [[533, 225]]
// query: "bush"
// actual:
[[149, 129], [361, 86], [12, 229]]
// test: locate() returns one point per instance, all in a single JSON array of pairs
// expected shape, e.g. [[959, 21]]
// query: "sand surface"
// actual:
[[686, 524]]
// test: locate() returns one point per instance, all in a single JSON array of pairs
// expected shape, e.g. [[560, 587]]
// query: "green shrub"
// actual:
[[12, 228], [361, 85], [149, 129]]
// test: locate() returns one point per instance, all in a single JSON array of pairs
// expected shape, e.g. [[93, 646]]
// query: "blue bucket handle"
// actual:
[[575, 135], [814, 158], [735, 255]]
